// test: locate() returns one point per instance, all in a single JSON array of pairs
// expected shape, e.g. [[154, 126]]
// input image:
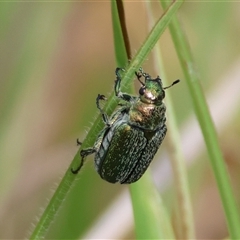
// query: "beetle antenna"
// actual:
[[175, 82]]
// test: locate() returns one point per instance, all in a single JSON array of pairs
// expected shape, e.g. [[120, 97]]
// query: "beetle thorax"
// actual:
[[147, 116]]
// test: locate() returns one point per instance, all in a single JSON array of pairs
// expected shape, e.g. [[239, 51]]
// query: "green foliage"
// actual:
[[56, 57]]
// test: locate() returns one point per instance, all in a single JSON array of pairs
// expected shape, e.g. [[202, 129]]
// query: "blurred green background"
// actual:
[[55, 58]]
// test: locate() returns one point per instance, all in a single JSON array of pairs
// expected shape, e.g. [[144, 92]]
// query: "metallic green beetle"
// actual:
[[132, 135]]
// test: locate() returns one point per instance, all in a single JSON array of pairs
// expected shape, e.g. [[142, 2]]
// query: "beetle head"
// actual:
[[152, 90]]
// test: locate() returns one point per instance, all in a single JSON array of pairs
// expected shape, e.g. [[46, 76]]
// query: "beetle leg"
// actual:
[[118, 93], [84, 153], [118, 81], [139, 75], [104, 115], [78, 142]]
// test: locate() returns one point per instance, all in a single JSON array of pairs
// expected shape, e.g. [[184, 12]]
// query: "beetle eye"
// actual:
[[162, 96], [142, 90]]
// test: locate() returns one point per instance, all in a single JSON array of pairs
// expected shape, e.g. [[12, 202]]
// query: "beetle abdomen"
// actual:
[[127, 153], [122, 154], [147, 155]]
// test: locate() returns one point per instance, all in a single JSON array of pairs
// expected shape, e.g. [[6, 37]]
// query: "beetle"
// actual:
[[132, 134]]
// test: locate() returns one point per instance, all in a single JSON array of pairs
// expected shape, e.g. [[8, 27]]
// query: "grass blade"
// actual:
[[207, 127]]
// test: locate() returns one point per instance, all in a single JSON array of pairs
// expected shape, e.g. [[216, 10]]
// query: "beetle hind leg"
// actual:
[[78, 142], [84, 153]]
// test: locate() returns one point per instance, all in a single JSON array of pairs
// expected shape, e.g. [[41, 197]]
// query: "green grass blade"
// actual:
[[184, 224], [149, 212], [51, 210], [207, 127], [151, 219]]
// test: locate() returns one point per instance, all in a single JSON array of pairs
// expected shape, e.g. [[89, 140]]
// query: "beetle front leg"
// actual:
[[118, 93], [118, 82], [84, 153]]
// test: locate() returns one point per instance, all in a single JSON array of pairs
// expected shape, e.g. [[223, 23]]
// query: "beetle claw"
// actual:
[[78, 142]]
